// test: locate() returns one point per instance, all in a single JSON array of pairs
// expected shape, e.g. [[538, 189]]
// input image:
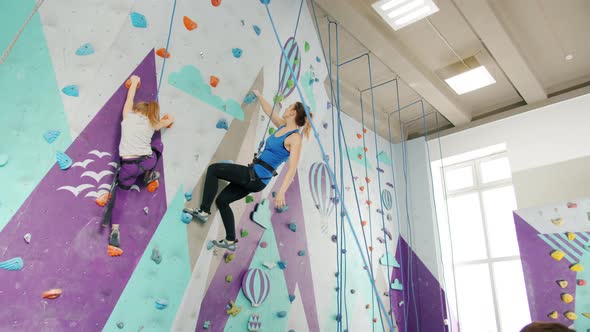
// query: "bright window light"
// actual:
[[471, 80], [400, 13]]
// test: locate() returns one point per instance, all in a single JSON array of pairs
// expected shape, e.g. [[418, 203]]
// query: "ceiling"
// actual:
[[522, 43]]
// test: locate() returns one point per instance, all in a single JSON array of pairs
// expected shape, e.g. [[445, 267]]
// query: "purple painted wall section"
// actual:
[[425, 302], [298, 268], [67, 249], [541, 273]]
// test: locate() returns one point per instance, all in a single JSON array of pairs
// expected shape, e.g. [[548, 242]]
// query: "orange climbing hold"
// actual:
[[365, 130], [114, 251], [370, 248], [359, 136], [367, 179], [103, 199], [161, 52], [364, 223], [128, 84], [153, 186], [367, 306], [213, 81], [369, 202], [216, 3], [360, 156], [362, 188], [189, 24], [52, 293], [366, 149]]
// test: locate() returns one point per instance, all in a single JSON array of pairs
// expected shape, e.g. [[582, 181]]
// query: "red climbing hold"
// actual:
[[128, 84], [359, 136], [367, 180], [364, 223], [362, 188], [114, 251], [213, 81], [216, 3], [374, 320], [52, 293], [360, 156], [365, 130], [370, 248], [153, 186], [161, 52], [366, 149], [189, 24], [581, 282], [369, 202]]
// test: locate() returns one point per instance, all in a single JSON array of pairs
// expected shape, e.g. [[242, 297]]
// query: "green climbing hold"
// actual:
[[296, 61], [243, 233], [271, 130], [229, 278], [229, 258], [306, 47], [277, 99], [249, 199], [290, 83]]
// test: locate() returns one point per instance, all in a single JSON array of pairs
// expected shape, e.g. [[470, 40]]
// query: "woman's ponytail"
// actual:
[[302, 120]]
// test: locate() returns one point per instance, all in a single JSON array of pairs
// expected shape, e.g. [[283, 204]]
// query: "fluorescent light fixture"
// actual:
[[400, 13], [470, 80]]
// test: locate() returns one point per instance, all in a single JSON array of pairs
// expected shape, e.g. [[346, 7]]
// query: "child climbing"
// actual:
[[284, 144], [138, 156]]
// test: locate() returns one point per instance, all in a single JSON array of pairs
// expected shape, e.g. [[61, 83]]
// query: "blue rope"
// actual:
[[167, 45], [298, 17], [316, 134]]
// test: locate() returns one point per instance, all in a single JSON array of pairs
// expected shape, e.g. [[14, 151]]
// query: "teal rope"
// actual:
[[316, 134], [167, 45]]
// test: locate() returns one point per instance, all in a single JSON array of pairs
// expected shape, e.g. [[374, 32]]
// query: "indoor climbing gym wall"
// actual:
[[554, 247], [335, 259]]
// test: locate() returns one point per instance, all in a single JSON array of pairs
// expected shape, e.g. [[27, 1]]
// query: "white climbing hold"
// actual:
[[27, 238], [269, 265], [146, 210]]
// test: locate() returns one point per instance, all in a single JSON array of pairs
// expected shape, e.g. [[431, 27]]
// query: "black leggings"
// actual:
[[239, 187]]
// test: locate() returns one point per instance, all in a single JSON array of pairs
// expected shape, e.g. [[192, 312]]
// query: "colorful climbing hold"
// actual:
[[317, 59], [244, 233], [301, 253], [13, 264], [570, 315], [291, 298], [103, 199], [249, 199], [216, 3], [257, 30], [282, 265], [206, 325], [557, 255], [333, 238], [306, 47], [271, 131], [210, 245], [293, 227], [146, 210], [557, 221], [553, 314], [367, 306], [120, 325], [325, 125], [396, 285], [161, 52], [282, 209], [27, 238], [153, 186], [567, 298], [114, 251], [290, 83], [156, 256], [189, 24], [364, 223], [213, 81], [352, 291], [188, 196], [222, 124], [128, 84], [577, 267], [389, 184], [387, 232], [269, 265], [186, 217], [71, 90], [161, 304], [85, 49], [63, 160], [250, 98], [570, 236], [581, 282], [367, 180], [586, 314], [562, 283], [52, 293], [359, 136], [229, 258], [229, 278], [138, 20], [282, 314], [51, 135], [237, 52]]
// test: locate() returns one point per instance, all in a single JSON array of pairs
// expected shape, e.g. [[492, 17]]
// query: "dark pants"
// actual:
[[239, 187]]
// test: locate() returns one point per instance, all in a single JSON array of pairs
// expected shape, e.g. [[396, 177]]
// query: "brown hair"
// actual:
[[301, 118], [545, 327], [151, 109]]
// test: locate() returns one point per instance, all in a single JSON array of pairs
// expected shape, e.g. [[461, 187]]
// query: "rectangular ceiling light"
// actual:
[[400, 13], [470, 80]]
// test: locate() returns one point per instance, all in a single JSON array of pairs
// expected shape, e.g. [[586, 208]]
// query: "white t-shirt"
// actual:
[[136, 135]]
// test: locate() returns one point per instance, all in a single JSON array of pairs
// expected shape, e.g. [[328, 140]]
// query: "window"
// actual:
[[483, 271]]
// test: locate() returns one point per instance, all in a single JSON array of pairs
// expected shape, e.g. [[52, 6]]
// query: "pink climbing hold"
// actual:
[[263, 244]]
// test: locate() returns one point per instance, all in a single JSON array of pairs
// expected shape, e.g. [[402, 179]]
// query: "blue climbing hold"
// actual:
[[206, 325], [265, 2], [250, 98], [257, 30], [161, 304], [188, 196], [186, 218], [51, 135], [120, 325], [282, 265], [210, 245], [301, 253], [291, 298], [138, 20], [63, 160], [13, 264], [237, 52], [293, 227], [317, 59], [85, 49], [71, 90], [334, 238], [222, 124], [396, 285], [281, 314], [325, 125], [282, 209]]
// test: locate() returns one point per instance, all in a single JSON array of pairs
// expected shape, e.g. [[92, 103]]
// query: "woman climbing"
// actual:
[[284, 144], [138, 156]]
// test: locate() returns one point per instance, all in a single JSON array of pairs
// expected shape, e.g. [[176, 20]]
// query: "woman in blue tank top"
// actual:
[[283, 145]]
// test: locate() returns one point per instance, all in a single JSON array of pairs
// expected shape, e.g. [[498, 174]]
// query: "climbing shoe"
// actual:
[[198, 213], [114, 238], [224, 244], [150, 177]]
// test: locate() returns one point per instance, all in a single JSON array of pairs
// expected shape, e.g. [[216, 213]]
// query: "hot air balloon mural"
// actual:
[[256, 286], [322, 188], [286, 82], [386, 199]]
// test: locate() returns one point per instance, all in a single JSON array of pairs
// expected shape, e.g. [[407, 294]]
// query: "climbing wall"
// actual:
[[554, 246], [62, 91]]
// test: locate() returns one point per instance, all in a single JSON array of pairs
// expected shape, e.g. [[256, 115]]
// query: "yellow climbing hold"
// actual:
[[586, 314], [570, 236], [570, 315], [553, 314], [557, 221], [557, 255], [567, 298], [577, 267], [562, 283]]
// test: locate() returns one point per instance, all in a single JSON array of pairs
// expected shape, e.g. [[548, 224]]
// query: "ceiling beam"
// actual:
[[486, 24], [357, 17]]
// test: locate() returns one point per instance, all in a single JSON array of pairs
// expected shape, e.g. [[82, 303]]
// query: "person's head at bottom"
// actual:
[[545, 327]]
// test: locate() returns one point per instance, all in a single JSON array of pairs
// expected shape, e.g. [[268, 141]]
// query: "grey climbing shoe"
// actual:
[[114, 238], [197, 213], [224, 244], [150, 176]]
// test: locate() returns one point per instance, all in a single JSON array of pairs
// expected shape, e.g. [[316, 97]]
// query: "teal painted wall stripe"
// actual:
[[554, 247]]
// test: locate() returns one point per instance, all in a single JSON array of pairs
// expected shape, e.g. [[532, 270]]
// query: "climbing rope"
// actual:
[[20, 31], [325, 157], [167, 49]]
